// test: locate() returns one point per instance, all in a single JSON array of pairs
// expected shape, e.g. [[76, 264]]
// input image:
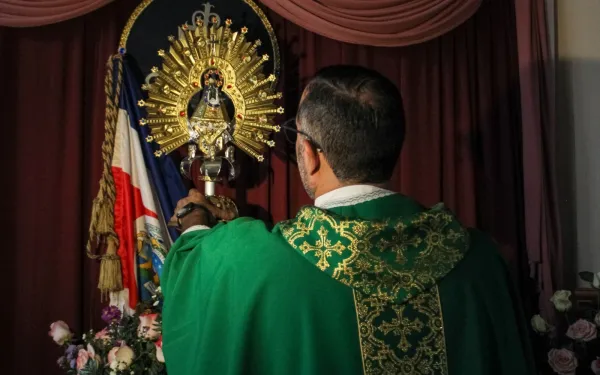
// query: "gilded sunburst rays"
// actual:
[[239, 67]]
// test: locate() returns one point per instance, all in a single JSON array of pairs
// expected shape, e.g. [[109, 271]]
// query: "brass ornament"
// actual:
[[217, 67]]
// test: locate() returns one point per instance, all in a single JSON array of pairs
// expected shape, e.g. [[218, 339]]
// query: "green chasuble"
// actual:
[[380, 287]]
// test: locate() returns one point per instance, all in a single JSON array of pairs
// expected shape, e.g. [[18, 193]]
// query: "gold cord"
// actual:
[[101, 230]]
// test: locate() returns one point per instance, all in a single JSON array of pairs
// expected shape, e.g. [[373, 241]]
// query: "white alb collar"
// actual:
[[350, 195]]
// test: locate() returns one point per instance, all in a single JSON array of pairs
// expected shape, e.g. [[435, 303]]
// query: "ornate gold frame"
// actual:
[[198, 51]]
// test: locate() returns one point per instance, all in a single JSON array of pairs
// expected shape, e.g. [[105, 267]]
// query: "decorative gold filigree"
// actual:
[[405, 338], [259, 12], [393, 267]]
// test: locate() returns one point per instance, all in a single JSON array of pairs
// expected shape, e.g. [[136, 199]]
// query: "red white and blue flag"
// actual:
[[147, 190]]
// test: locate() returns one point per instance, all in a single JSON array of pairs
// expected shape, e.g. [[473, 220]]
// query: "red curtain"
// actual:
[[536, 72], [387, 23], [24, 13], [52, 118], [463, 147]]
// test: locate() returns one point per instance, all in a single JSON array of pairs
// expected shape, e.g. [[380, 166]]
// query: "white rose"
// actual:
[[561, 300], [539, 324], [60, 332], [597, 319], [596, 281], [122, 358]]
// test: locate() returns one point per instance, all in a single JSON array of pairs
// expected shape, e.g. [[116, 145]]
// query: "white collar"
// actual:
[[351, 195]]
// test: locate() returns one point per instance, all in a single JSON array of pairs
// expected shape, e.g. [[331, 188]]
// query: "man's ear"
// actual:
[[312, 162]]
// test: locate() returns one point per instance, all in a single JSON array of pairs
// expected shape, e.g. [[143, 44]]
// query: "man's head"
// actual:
[[354, 120]]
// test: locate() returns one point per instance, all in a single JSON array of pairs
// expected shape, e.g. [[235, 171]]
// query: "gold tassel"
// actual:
[[110, 271], [102, 220]]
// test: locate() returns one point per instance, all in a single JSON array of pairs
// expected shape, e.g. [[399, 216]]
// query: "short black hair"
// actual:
[[356, 115]]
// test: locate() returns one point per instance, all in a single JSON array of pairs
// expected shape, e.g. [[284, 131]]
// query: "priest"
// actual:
[[365, 281]]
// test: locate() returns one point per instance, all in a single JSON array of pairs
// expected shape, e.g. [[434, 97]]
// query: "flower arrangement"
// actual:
[[127, 345], [575, 348]]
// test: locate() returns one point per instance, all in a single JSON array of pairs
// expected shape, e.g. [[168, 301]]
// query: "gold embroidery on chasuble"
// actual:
[[392, 267]]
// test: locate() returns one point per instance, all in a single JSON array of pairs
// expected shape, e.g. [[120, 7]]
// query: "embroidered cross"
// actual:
[[401, 326], [399, 243], [322, 249]]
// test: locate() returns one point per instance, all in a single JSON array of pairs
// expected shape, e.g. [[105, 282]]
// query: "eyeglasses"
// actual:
[[290, 130]]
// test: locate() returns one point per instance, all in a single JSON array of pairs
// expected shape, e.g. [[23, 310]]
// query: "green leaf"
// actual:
[[586, 276], [90, 368]]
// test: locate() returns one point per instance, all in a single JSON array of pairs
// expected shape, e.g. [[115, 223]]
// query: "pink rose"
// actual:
[[582, 330], [562, 361], [60, 332], [82, 359], [148, 327], [103, 335], [596, 366], [84, 356], [112, 355], [159, 352]]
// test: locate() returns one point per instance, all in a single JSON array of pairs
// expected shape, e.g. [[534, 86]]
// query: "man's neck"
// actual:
[[351, 194]]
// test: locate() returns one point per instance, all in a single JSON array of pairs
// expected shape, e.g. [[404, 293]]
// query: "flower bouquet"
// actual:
[[575, 348], [127, 345]]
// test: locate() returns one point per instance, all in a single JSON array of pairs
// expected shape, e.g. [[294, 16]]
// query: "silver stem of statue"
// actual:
[[209, 188]]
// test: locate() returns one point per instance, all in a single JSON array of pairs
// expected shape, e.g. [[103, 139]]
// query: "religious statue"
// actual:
[[210, 121], [211, 93]]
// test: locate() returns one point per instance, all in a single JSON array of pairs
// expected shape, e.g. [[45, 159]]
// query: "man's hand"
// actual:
[[199, 217]]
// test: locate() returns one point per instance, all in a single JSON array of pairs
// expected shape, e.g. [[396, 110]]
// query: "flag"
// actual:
[[147, 190]]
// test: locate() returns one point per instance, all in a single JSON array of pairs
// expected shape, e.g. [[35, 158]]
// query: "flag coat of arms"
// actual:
[[146, 188]]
